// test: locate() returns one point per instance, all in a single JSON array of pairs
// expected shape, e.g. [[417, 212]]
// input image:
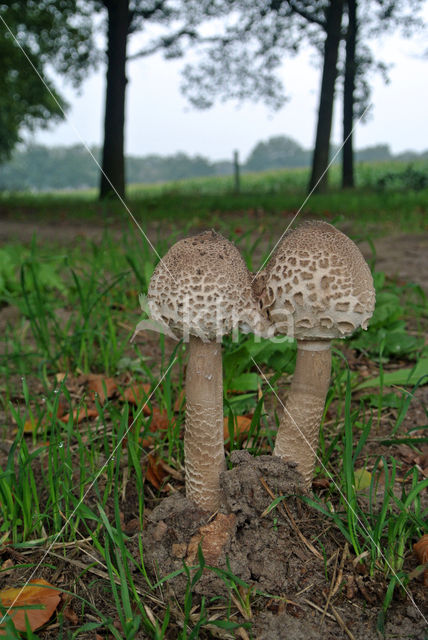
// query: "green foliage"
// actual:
[[387, 327], [33, 37], [41, 168], [413, 178], [16, 259], [277, 152], [375, 153]]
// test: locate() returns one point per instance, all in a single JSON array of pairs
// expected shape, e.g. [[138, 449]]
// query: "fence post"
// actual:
[[236, 173]]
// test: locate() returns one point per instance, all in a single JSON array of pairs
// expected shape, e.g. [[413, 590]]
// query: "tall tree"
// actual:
[[348, 95], [242, 62], [113, 159], [332, 27], [34, 37], [123, 19], [379, 17]]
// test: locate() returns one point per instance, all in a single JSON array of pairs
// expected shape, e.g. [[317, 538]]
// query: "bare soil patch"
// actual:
[[314, 594]]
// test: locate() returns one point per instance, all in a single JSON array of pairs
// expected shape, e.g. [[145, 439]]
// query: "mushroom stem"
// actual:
[[297, 437], [203, 438]]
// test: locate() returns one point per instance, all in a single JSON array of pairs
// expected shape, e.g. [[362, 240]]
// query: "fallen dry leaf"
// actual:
[[421, 550], [180, 401], [84, 413], [362, 479], [320, 483], [62, 406], [36, 592], [6, 565], [146, 443], [137, 393], [29, 426], [213, 539], [160, 420], [70, 615], [155, 473], [104, 387], [241, 426], [422, 460], [132, 526]]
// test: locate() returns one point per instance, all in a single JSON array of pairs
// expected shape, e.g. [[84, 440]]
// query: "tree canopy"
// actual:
[[242, 60], [276, 153], [35, 36]]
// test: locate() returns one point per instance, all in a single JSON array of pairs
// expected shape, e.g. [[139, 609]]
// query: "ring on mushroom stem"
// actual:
[[319, 286], [202, 290]]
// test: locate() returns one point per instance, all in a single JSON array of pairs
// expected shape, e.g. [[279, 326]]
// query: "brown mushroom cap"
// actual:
[[202, 287], [317, 285]]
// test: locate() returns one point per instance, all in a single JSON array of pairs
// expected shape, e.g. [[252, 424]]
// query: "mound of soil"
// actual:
[[270, 550]]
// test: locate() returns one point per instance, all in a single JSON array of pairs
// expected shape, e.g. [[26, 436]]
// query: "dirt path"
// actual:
[[403, 255]]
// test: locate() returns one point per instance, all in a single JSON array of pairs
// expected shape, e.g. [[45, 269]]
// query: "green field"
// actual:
[[390, 196]]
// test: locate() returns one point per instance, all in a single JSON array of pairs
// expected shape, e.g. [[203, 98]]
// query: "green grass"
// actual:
[[62, 483], [385, 199]]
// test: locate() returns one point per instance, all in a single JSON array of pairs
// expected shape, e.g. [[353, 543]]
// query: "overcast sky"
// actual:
[[159, 120]]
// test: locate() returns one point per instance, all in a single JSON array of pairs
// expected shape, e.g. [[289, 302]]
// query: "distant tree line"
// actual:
[[42, 168]]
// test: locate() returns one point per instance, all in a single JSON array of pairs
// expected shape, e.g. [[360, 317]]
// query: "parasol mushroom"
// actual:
[[201, 290], [316, 287]]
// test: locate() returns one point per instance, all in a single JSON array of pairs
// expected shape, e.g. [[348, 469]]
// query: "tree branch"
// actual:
[[164, 43], [302, 12]]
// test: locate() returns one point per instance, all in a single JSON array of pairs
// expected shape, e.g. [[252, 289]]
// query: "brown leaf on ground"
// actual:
[[421, 550], [137, 393], [36, 592], [213, 539], [406, 453], [31, 424], [71, 615], [180, 401], [62, 406], [132, 526], [84, 413], [7, 565], [241, 426], [146, 443], [422, 460], [160, 420], [155, 473], [118, 625], [74, 384], [320, 483], [104, 387]]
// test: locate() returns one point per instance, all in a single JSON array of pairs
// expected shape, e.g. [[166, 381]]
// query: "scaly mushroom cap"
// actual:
[[317, 284], [202, 287]]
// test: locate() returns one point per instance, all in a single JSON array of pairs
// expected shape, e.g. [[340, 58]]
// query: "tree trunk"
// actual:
[[348, 97], [318, 181], [113, 163]]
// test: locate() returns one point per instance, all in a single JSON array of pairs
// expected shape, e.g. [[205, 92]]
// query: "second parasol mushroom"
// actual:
[[316, 287], [201, 290]]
